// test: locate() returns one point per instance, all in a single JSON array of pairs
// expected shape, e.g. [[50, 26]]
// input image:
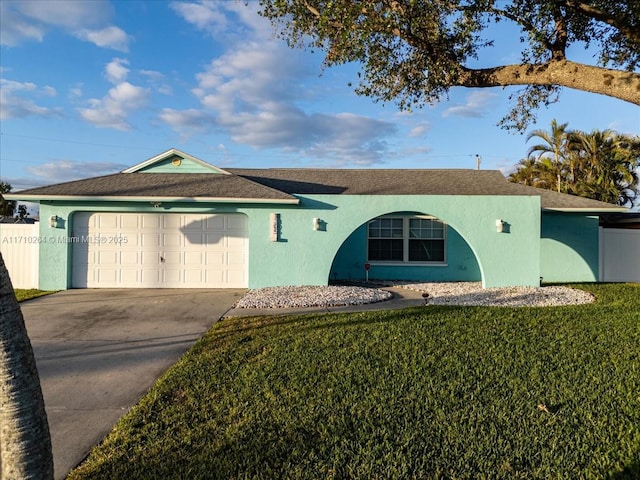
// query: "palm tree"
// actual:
[[553, 151], [25, 443], [607, 164], [532, 172], [602, 165]]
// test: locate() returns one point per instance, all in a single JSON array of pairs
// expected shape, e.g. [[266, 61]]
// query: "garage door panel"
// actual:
[[107, 275], [108, 258], [129, 258], [149, 221], [129, 276], [150, 240], [236, 258], [237, 222], [194, 276], [107, 222], [150, 258], [214, 239], [235, 243], [129, 222], [171, 240], [194, 238], [172, 276], [236, 276], [171, 221], [193, 258], [161, 250]]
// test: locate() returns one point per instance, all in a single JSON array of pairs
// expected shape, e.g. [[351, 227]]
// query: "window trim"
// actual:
[[405, 242]]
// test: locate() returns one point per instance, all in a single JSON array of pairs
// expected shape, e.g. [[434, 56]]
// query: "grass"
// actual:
[[429, 392], [28, 294]]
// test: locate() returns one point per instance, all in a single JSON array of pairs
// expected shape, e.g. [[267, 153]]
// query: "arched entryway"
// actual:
[[405, 246]]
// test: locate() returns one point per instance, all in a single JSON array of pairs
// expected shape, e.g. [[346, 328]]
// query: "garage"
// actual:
[[159, 250]]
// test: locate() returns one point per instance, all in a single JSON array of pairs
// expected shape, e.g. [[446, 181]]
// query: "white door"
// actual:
[[159, 250]]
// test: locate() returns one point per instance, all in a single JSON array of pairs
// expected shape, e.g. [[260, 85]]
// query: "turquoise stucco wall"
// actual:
[[460, 263], [569, 248], [304, 256]]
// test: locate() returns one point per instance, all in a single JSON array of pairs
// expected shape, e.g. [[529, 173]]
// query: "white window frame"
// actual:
[[405, 242]]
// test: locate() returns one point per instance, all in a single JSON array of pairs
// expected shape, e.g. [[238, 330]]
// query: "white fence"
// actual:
[[19, 247], [619, 255]]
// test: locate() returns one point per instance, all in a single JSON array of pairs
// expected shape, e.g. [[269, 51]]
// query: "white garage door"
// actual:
[[160, 250]]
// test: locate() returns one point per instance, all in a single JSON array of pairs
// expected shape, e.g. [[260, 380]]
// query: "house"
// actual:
[[177, 221]]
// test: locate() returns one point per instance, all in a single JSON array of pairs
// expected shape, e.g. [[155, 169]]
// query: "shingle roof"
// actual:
[[410, 182], [155, 185], [282, 184]]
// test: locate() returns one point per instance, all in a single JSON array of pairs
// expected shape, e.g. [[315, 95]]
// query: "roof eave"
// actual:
[[584, 210], [85, 198]]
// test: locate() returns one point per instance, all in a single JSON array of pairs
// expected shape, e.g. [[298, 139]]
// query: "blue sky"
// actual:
[[93, 87]]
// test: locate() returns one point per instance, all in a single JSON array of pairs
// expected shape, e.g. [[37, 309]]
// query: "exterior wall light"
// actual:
[[499, 226], [274, 227], [316, 223], [53, 221]]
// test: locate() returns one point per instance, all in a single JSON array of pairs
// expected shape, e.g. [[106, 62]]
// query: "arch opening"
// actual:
[[405, 246]]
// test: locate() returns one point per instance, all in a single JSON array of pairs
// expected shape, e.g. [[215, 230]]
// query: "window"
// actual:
[[406, 239]]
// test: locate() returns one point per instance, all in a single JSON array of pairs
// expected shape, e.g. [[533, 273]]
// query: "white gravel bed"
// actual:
[[472, 293], [302, 297], [455, 293]]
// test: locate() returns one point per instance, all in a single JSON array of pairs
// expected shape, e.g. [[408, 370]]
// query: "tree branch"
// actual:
[[613, 83], [630, 31]]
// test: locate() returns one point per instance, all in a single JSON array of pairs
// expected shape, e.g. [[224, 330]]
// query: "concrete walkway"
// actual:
[[402, 298], [99, 351]]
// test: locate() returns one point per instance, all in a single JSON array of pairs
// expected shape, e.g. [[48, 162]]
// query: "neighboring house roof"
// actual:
[[28, 221]]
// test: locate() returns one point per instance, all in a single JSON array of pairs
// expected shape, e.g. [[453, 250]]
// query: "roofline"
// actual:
[[35, 198], [584, 210], [167, 153]]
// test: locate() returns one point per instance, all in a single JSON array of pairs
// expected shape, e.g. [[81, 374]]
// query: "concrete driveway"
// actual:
[[99, 351]]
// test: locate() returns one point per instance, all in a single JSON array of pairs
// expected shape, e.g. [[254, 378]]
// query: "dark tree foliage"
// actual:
[[413, 51]]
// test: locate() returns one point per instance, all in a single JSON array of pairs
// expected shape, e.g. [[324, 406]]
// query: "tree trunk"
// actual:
[[613, 83], [25, 443]]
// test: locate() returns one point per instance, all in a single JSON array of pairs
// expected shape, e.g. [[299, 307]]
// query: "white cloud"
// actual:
[[113, 109], [187, 122], [108, 37], [116, 71], [419, 130], [14, 28], [90, 21], [477, 105], [229, 20], [67, 170], [49, 91], [205, 15], [13, 101], [157, 81], [255, 91]]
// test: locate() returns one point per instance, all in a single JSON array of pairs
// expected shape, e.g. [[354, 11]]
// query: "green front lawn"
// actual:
[[429, 392], [28, 294]]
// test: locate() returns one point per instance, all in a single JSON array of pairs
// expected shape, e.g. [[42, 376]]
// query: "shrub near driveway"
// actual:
[[429, 392]]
